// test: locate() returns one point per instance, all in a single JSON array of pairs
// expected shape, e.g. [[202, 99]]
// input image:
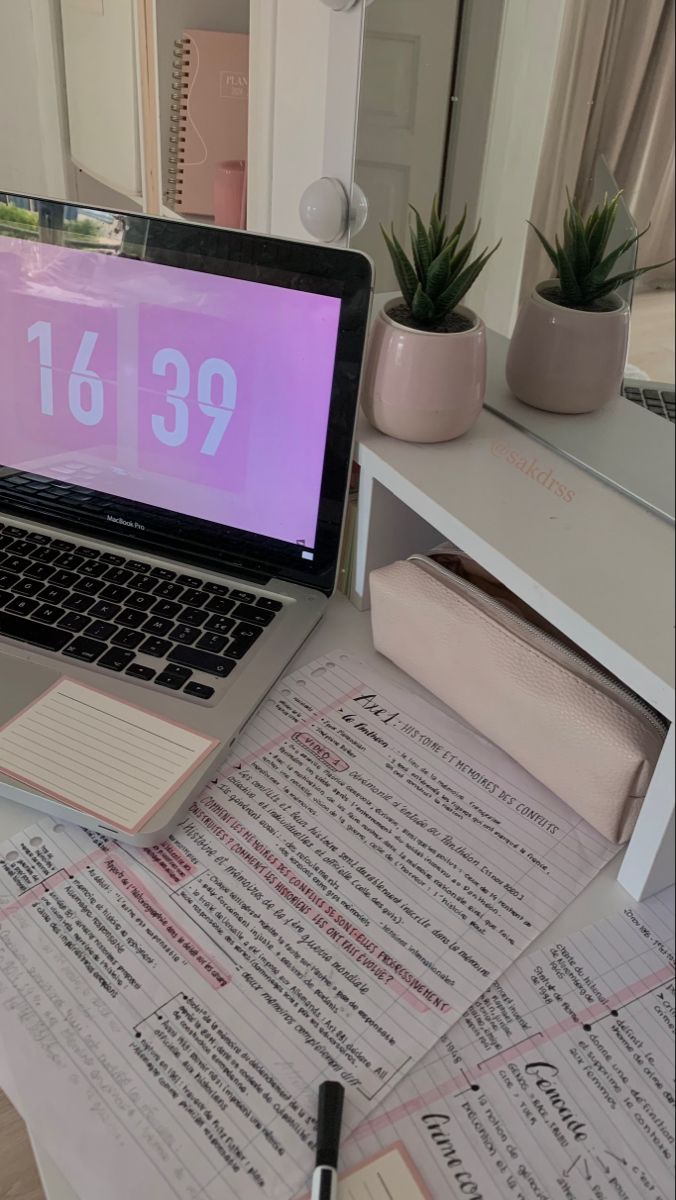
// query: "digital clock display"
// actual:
[[202, 394]]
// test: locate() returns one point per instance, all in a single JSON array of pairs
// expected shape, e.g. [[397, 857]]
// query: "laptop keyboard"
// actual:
[[154, 625], [656, 400]]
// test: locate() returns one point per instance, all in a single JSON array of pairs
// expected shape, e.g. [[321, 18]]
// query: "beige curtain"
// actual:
[[613, 95]]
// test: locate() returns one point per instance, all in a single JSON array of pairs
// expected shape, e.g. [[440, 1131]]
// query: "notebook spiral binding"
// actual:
[[179, 110]]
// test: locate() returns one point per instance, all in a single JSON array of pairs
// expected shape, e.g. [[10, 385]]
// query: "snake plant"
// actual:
[[439, 272], [583, 268]]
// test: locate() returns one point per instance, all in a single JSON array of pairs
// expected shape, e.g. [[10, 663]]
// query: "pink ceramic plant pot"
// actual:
[[424, 387], [565, 360]]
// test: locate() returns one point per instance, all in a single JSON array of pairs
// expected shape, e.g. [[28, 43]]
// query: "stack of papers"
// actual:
[[361, 872]]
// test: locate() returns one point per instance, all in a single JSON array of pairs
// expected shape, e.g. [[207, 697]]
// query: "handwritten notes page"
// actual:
[[363, 868], [558, 1084], [98, 754]]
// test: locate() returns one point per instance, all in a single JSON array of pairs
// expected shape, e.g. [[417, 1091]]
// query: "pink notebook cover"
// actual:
[[214, 113]]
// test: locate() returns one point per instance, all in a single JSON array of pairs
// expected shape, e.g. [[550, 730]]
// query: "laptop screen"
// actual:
[[198, 393], [156, 369]]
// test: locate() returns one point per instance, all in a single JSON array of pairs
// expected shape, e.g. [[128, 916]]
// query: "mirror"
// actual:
[[503, 105]]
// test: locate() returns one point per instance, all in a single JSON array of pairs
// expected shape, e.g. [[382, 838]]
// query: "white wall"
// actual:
[[523, 80], [33, 127]]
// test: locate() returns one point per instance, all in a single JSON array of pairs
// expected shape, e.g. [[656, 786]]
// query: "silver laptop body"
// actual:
[[176, 551]]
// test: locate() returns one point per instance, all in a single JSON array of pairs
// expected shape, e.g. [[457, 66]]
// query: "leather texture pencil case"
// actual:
[[520, 683]]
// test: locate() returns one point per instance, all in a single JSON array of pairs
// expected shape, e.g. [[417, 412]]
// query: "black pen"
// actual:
[[329, 1119]]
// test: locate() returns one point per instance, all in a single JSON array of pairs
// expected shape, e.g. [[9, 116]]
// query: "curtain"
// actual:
[[613, 95]]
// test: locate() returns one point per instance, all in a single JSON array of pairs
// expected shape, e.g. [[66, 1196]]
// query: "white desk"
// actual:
[[347, 629]]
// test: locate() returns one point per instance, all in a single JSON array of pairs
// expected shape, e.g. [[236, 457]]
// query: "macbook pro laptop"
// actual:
[[630, 443], [177, 407]]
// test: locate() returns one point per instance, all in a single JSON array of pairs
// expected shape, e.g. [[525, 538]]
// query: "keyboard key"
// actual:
[[157, 626], [75, 622], [116, 659], [194, 597], [189, 581], [141, 600], [93, 568], [166, 608], [143, 583], [257, 616], [138, 671], [167, 680], [184, 634], [85, 649], [218, 624], [218, 604], [135, 564], [49, 613], [50, 594], [156, 647], [69, 562], [60, 544], [64, 579], [88, 587], [651, 394], [103, 609], [8, 578], [15, 531], [215, 642], [23, 605], [44, 554], [117, 575], [129, 638], [201, 691], [201, 660], [5, 596], [16, 563], [270, 605], [101, 630], [131, 618], [168, 591], [242, 640], [76, 602], [114, 560], [216, 589], [47, 637], [243, 597], [193, 616], [27, 587], [37, 570], [116, 593], [22, 547], [163, 573], [88, 552]]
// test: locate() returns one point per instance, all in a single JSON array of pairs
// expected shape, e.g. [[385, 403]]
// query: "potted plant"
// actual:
[[569, 347], [426, 367]]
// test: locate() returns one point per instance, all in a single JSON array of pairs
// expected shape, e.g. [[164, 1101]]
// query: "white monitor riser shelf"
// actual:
[[597, 565]]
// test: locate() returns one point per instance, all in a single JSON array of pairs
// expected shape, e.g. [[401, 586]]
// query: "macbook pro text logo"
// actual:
[[121, 521]]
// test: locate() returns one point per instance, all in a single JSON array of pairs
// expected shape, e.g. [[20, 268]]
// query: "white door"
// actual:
[[409, 48], [305, 63]]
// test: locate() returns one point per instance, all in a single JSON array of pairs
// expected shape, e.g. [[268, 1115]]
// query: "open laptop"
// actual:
[[177, 407], [625, 443]]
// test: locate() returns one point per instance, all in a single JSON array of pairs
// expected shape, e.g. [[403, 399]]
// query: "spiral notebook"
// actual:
[[209, 115]]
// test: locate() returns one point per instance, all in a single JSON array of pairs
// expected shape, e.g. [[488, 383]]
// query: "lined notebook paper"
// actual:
[[98, 754]]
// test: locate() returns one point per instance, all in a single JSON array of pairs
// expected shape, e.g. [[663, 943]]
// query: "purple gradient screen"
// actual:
[[198, 393]]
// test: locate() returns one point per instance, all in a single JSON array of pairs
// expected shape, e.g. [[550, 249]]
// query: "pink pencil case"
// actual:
[[520, 683]]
